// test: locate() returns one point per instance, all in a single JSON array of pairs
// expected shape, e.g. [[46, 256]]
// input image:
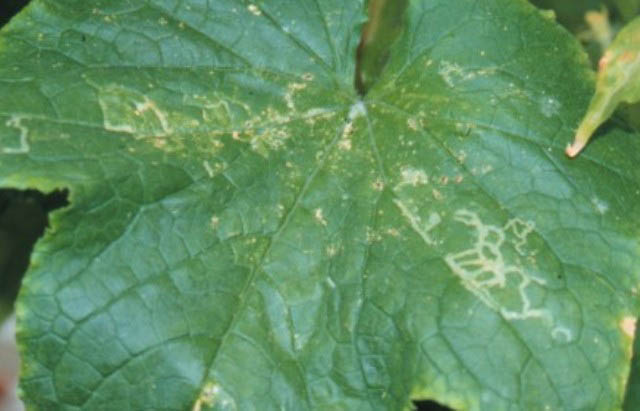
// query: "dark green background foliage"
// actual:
[[244, 231], [9, 8], [23, 218]]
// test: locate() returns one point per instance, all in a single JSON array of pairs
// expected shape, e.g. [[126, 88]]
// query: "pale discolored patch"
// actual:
[[562, 334], [292, 89], [600, 206], [358, 109], [23, 146], [378, 185], [453, 74], [483, 268], [253, 9], [318, 215], [214, 222], [128, 111], [549, 106], [412, 124], [628, 326], [411, 176], [416, 222], [213, 395]]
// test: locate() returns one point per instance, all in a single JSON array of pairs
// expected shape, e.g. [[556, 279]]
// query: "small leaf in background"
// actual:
[[600, 29], [618, 81]]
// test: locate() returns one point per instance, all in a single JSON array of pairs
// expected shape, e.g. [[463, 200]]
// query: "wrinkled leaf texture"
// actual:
[[245, 233]]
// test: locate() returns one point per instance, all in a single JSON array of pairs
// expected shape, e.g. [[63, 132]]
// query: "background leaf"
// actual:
[[593, 22], [245, 233], [618, 82]]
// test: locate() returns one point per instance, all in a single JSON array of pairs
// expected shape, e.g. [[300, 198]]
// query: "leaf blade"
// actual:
[[300, 248]]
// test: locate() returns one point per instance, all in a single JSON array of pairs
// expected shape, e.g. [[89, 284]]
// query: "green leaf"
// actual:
[[618, 82], [245, 233]]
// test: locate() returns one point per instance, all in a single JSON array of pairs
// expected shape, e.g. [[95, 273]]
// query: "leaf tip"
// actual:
[[575, 148], [583, 135]]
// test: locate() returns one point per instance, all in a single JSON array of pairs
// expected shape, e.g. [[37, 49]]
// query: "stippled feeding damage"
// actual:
[[213, 395]]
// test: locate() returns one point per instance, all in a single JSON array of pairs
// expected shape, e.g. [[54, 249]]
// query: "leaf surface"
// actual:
[[245, 233]]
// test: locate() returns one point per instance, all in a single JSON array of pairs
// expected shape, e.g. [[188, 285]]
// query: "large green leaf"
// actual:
[[245, 233]]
